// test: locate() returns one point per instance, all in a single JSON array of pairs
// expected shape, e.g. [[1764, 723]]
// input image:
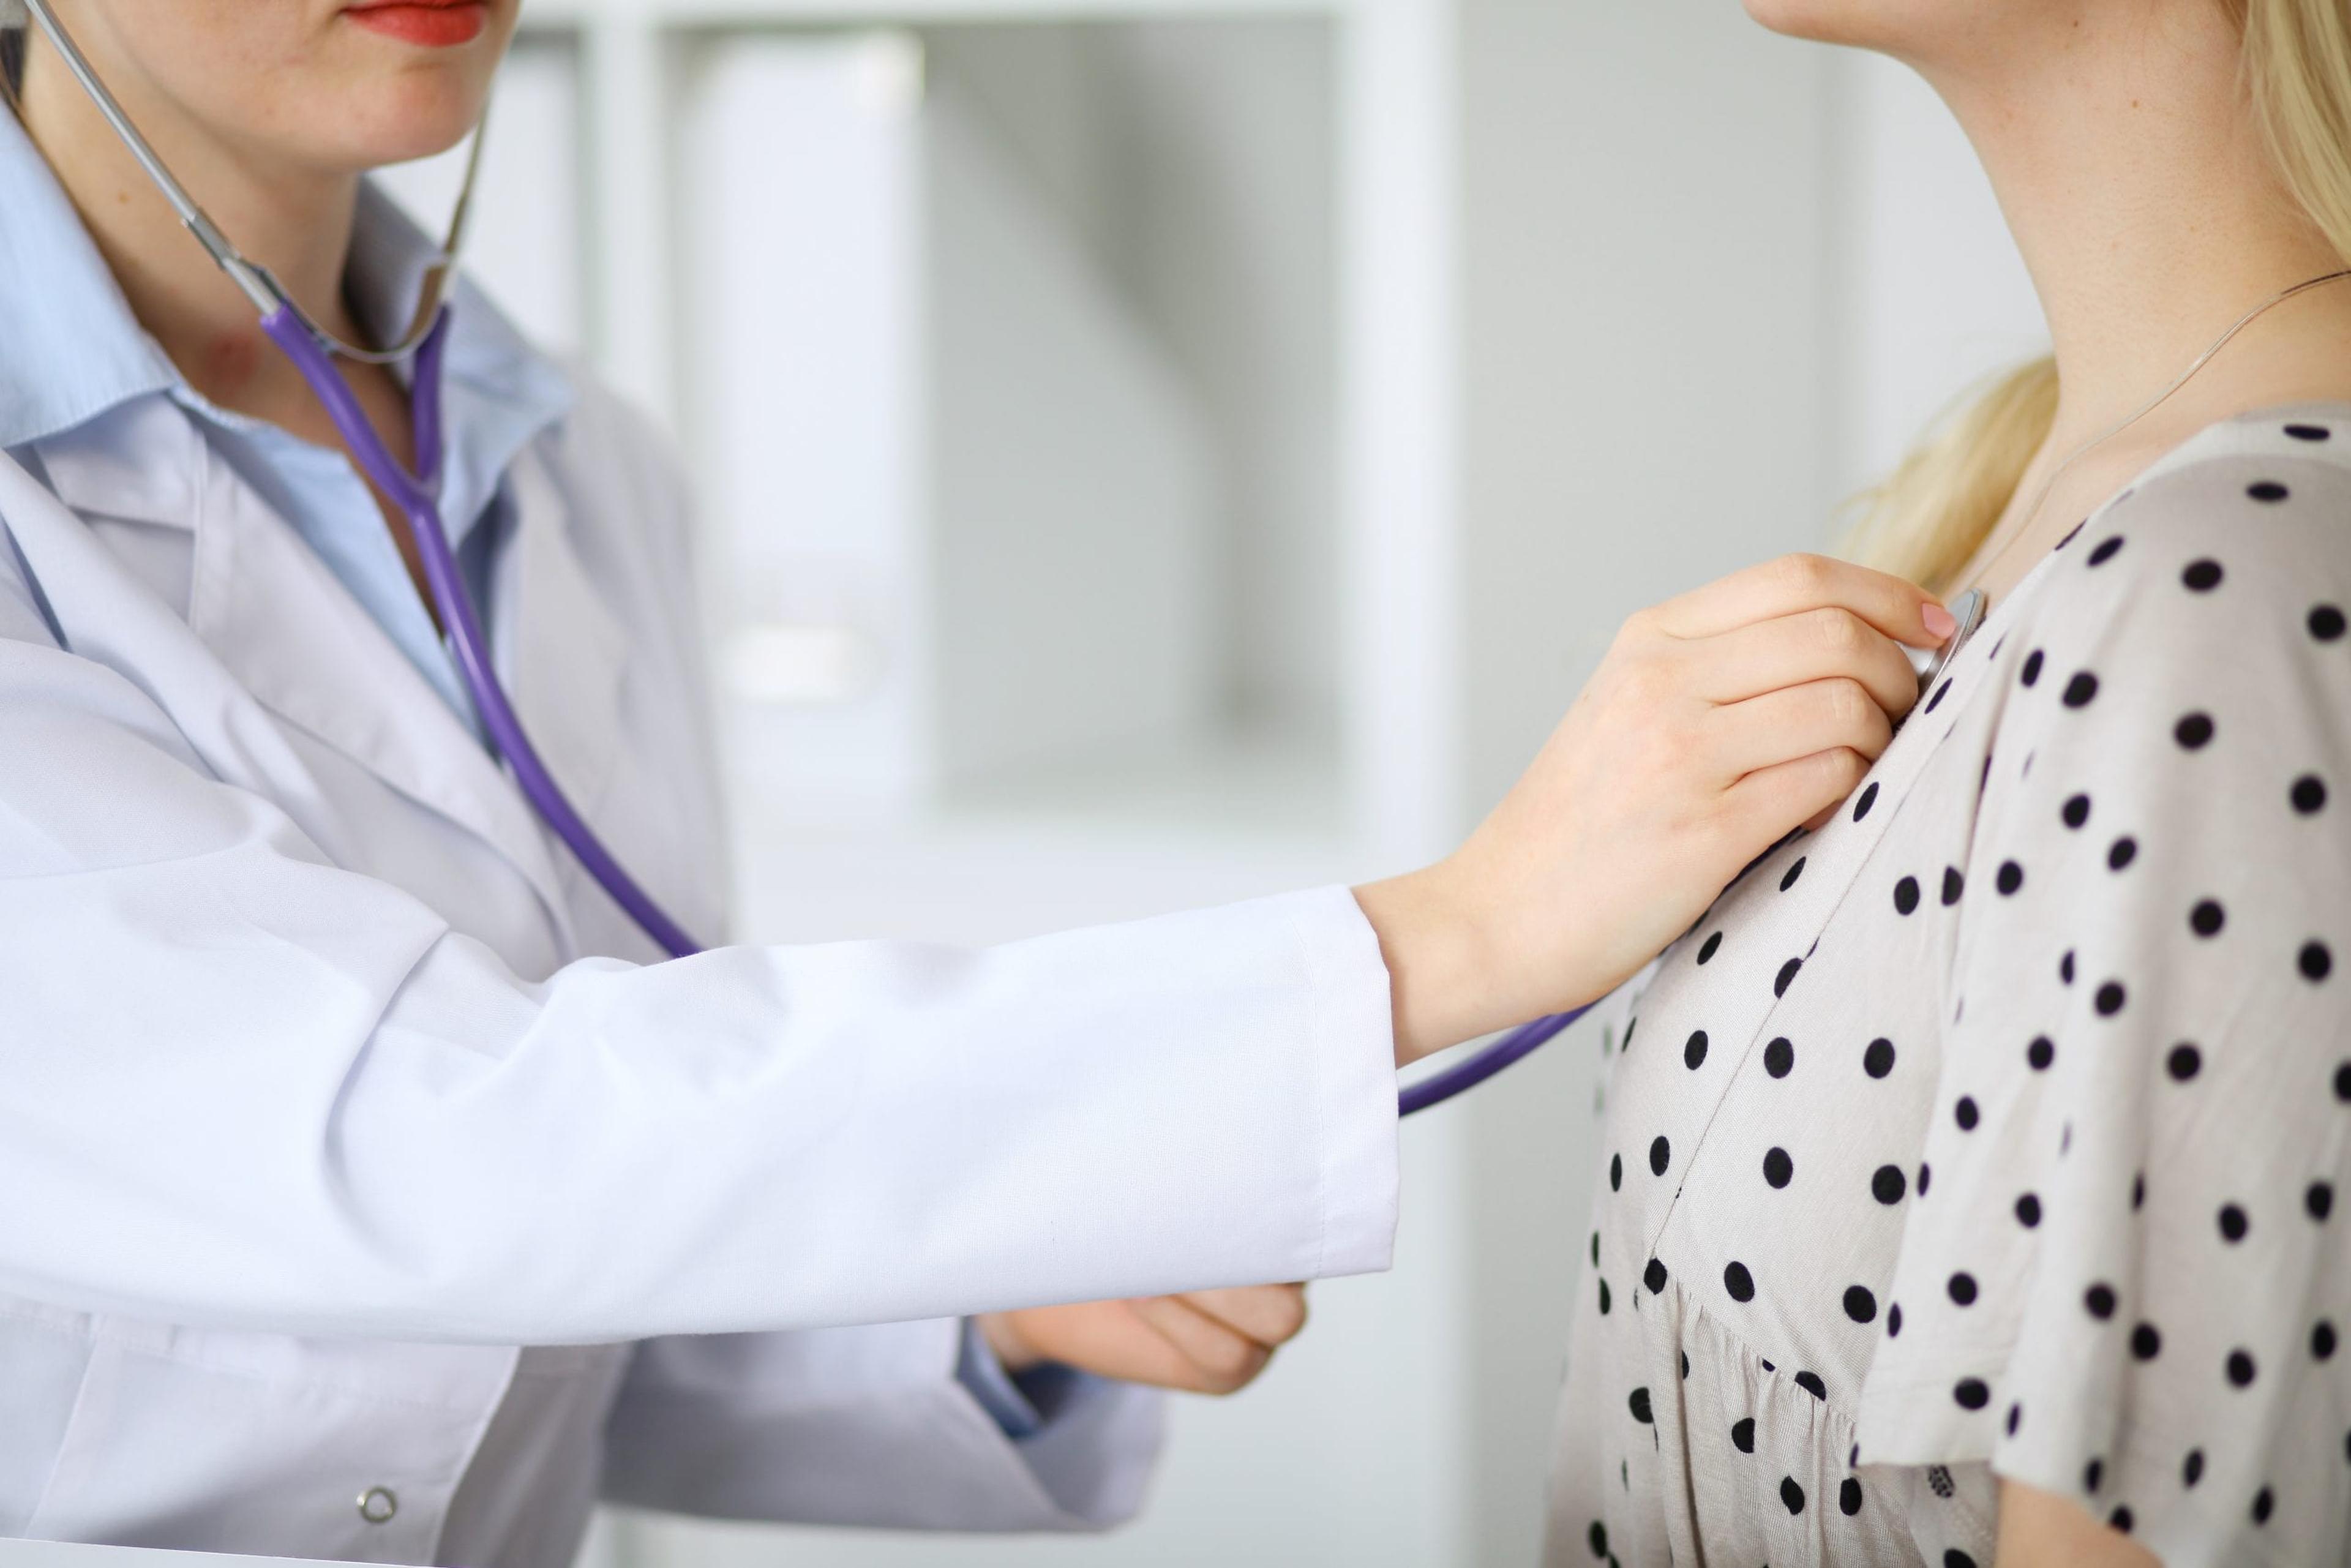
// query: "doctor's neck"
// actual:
[[294, 221]]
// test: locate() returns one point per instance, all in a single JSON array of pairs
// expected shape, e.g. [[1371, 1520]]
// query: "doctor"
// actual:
[[368, 1189]]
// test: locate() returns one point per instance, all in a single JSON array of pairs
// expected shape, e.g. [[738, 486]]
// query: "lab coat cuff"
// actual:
[[1352, 1044]]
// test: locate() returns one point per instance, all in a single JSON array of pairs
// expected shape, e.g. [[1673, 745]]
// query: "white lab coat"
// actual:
[[316, 1100]]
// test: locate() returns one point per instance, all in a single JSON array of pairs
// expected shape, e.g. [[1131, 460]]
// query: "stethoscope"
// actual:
[[313, 350]]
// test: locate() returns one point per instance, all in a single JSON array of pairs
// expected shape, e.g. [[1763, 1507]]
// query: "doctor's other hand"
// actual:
[[1719, 721], [1209, 1342]]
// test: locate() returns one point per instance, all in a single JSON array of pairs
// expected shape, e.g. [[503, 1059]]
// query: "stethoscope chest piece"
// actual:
[[1968, 610]]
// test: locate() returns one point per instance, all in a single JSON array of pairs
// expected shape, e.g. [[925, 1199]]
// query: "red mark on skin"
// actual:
[[230, 361]]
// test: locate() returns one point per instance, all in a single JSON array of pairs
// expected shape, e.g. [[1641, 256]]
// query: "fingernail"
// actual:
[[1940, 623]]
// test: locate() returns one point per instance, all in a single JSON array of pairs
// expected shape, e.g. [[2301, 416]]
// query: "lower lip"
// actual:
[[433, 27]]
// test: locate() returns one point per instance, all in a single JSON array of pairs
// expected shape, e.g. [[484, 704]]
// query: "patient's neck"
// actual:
[[2128, 161]]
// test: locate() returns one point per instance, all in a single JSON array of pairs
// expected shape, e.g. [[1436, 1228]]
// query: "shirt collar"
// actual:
[[71, 349]]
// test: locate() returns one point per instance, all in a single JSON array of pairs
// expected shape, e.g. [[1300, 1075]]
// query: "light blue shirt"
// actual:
[[71, 350]]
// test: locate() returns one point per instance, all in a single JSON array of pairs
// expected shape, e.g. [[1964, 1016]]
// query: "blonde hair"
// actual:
[[1927, 518]]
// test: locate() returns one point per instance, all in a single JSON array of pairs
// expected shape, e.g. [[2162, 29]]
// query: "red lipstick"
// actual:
[[430, 24]]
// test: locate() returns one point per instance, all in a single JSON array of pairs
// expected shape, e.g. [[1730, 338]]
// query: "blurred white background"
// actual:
[[1156, 452]]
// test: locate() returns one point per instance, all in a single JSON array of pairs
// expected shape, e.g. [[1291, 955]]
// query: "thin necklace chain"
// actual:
[[2041, 496]]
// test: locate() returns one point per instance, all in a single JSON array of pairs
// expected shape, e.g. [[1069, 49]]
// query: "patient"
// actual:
[[1969, 1171]]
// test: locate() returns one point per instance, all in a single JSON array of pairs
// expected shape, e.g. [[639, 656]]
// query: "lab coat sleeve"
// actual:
[[866, 1426], [243, 1087]]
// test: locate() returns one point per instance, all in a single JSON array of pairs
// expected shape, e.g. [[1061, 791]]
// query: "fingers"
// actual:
[[1793, 650], [1798, 721], [1218, 1357], [1808, 789], [1791, 584], [1272, 1315]]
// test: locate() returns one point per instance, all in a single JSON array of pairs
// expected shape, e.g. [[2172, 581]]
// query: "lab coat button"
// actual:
[[378, 1504]]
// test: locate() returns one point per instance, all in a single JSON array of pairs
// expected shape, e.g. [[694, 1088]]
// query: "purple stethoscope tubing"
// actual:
[[417, 495], [419, 501]]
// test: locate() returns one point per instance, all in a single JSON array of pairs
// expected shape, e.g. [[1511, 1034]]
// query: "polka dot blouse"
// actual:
[[1998, 1128]]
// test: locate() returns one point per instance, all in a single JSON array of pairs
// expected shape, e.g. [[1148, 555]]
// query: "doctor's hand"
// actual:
[[1209, 1342], [1718, 722]]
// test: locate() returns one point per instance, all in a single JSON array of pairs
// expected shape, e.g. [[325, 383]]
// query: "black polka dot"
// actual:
[[1742, 1434], [2031, 670], [2081, 689], [1810, 1381], [1615, 1173], [1924, 1172], [1962, 1288], [1787, 973], [1661, 1155], [2207, 918], [1889, 1183], [1868, 799], [1778, 1168], [2076, 811], [1779, 1057], [2139, 1189], [2241, 1368], [2233, 1223], [1789, 880], [2264, 1501], [1849, 1497], [2010, 878], [2094, 1475], [2183, 1061], [1604, 1297], [2308, 794], [2326, 622], [1694, 1051], [2191, 1469], [1953, 885], [2015, 1418], [1706, 950], [1965, 1114], [2322, 1339], [1940, 693], [2121, 852], [2342, 1081], [1905, 895], [1877, 1061], [2314, 961], [2065, 966], [2307, 432], [2040, 1053], [1955, 1558], [1738, 1283], [2147, 1342], [1595, 1249], [1654, 1276], [1792, 1494], [1892, 1319], [2099, 1298], [2109, 1000], [1639, 1404], [1971, 1393], [2318, 1200], [1598, 1538], [2202, 576], [1860, 1305], [2120, 1520], [2028, 1210], [2267, 490], [2193, 730], [2107, 549]]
